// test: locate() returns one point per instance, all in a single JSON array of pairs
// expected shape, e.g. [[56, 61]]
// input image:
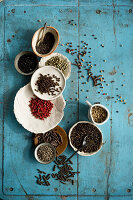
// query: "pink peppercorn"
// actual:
[[40, 109]]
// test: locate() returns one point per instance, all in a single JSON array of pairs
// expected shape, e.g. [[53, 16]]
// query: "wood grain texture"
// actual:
[[108, 174]]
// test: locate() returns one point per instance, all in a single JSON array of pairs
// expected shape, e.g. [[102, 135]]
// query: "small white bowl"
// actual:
[[82, 153], [44, 71], [17, 59], [90, 113], [45, 144], [38, 34], [67, 72]]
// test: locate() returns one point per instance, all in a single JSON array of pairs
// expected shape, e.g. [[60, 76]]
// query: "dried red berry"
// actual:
[[40, 109]]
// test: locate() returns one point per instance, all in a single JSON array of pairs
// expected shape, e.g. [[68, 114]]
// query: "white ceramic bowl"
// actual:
[[82, 153], [45, 144], [17, 59], [67, 72], [44, 71], [37, 36], [90, 113]]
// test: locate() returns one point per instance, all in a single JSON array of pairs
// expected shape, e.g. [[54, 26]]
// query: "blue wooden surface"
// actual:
[[109, 171]]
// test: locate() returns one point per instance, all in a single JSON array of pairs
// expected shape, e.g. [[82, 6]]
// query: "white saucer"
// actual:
[[44, 71]]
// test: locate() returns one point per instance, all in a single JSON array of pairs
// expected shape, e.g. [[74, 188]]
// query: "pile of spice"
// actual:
[[45, 153], [48, 84], [27, 63], [99, 114], [57, 62], [47, 44], [42, 178], [65, 173], [40, 109], [49, 137], [92, 134]]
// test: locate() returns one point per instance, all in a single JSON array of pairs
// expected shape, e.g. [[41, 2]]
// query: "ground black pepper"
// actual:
[[46, 45], [27, 63]]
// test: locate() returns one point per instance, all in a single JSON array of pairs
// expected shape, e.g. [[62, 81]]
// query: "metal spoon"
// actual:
[[83, 144], [43, 35]]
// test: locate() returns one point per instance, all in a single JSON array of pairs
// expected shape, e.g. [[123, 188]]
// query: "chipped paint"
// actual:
[[108, 97], [113, 71], [63, 197], [130, 119]]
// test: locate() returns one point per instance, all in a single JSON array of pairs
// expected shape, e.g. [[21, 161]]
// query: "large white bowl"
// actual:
[[82, 153], [44, 71]]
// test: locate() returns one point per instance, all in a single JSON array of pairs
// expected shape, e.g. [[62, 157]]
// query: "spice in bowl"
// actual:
[[50, 137], [47, 44], [40, 109], [92, 134], [48, 84], [27, 63], [45, 153], [99, 114], [57, 62]]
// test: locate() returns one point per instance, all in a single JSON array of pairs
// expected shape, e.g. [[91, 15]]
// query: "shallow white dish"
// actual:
[[27, 120], [67, 72], [44, 71], [82, 153]]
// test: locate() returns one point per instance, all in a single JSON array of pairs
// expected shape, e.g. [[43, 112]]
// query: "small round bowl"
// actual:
[[38, 34], [90, 113], [82, 153], [45, 144], [17, 59], [47, 70]]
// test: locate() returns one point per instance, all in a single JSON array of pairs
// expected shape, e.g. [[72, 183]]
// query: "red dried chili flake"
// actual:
[[40, 109]]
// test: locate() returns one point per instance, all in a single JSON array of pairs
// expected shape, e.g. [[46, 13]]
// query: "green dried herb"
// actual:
[[57, 62]]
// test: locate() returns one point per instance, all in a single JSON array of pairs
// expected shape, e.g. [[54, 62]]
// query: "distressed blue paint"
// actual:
[[109, 171], [41, 2]]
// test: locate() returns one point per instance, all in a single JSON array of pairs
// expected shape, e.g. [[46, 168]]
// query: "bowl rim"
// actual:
[[17, 59], [31, 83], [60, 55], [45, 144], [44, 55], [82, 153], [100, 105]]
